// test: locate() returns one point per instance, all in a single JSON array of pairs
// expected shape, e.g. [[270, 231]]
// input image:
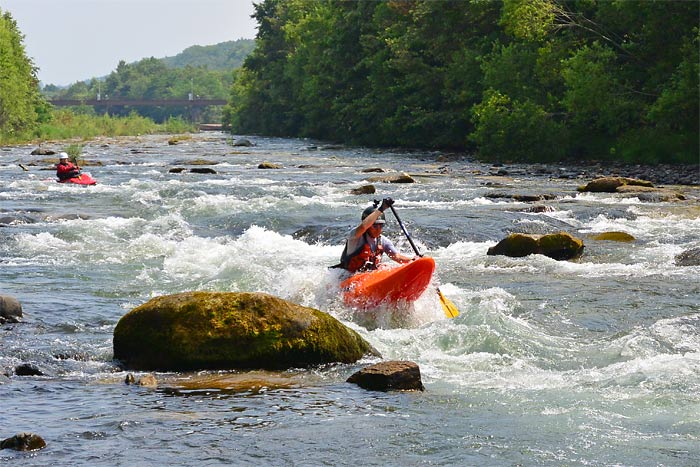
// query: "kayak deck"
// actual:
[[82, 179], [388, 285]]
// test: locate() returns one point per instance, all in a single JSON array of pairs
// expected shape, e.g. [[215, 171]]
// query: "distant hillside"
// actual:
[[223, 56]]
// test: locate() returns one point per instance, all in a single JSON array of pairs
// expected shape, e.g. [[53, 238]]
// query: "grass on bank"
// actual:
[[65, 124]]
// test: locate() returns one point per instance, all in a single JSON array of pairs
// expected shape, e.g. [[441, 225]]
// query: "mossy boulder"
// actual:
[[515, 245], [559, 246], [229, 330]]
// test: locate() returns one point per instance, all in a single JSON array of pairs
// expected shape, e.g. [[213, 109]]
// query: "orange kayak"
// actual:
[[388, 285]]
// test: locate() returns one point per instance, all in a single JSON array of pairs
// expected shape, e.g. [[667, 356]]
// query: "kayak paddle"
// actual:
[[448, 307]]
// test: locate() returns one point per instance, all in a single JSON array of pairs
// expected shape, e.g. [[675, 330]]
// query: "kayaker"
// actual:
[[66, 169], [366, 244]]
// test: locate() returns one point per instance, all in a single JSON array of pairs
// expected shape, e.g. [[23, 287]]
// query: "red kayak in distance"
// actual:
[[404, 283], [82, 179]]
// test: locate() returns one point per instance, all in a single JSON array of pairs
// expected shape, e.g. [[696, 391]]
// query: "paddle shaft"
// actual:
[[410, 240], [447, 306]]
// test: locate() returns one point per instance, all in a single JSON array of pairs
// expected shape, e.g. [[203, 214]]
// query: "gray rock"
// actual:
[[10, 309], [243, 142], [689, 257], [364, 190], [389, 376], [269, 165], [28, 369]]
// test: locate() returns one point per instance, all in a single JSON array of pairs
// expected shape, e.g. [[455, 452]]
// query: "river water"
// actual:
[[587, 362]]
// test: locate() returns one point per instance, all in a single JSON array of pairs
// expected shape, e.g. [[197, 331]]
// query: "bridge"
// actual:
[[139, 102]]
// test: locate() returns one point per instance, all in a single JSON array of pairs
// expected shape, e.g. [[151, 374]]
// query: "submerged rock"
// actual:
[[202, 170], [148, 380], [388, 376], [28, 369], [229, 330], [614, 237], [559, 246], [24, 442], [364, 190], [688, 257]]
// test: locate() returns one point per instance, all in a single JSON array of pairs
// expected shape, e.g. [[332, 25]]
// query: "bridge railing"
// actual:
[[138, 102]]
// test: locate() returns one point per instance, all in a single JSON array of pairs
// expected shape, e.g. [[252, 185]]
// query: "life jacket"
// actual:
[[66, 171], [362, 259]]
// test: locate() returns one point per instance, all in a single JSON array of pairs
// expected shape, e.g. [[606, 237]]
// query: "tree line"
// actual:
[[511, 80], [22, 107]]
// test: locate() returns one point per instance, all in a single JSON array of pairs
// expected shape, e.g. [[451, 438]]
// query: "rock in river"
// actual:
[[559, 246], [230, 330]]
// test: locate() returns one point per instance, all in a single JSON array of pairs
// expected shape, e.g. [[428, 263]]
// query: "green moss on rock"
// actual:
[[228, 330], [559, 246], [515, 245]]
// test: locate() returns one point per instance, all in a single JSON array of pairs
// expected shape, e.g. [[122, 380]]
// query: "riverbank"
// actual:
[[662, 174]]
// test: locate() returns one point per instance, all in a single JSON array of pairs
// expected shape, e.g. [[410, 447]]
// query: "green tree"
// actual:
[[501, 121], [512, 79], [21, 106]]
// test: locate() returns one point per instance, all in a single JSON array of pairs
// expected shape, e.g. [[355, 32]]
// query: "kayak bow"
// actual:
[[404, 283]]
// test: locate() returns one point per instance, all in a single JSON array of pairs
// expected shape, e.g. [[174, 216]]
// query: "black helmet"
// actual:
[[380, 220]]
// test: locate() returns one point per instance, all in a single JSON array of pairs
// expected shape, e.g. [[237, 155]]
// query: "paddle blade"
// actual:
[[448, 307]]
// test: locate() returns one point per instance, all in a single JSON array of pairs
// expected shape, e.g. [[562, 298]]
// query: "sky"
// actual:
[[75, 40]]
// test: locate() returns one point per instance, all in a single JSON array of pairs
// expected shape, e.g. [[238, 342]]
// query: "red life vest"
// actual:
[[66, 171], [363, 258]]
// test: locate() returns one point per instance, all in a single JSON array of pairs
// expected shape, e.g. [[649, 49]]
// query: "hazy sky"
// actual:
[[73, 40]]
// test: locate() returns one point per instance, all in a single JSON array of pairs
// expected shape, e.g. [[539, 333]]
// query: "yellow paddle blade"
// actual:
[[448, 307]]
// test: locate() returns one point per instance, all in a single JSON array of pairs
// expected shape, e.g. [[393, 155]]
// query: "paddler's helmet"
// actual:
[[62, 156], [380, 220]]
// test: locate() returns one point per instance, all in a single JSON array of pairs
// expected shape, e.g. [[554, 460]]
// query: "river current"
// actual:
[[588, 362]]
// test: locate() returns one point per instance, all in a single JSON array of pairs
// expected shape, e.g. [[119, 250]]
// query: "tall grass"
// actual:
[[65, 124]]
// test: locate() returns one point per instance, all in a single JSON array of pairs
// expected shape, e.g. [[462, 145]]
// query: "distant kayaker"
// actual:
[[366, 244], [66, 169]]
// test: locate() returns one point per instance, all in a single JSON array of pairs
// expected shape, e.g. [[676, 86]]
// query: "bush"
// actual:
[[654, 146], [507, 130]]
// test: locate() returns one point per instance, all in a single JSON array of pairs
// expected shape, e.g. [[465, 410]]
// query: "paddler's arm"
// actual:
[[371, 219], [399, 258], [366, 224], [393, 253]]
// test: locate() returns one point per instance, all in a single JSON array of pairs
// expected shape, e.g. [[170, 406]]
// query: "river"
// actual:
[[587, 362]]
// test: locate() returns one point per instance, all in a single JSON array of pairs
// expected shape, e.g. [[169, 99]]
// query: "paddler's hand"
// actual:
[[386, 203]]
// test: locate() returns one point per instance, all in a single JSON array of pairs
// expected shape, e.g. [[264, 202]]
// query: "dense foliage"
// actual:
[[223, 56], [520, 80], [21, 105]]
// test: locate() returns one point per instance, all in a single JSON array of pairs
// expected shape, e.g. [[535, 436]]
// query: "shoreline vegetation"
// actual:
[[513, 80], [66, 125]]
